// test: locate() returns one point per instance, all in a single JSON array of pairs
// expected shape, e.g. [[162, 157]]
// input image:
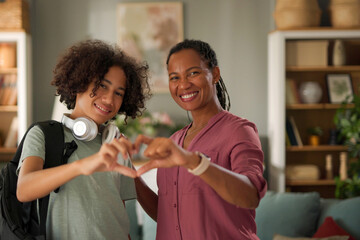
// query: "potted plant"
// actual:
[[347, 121], [314, 135]]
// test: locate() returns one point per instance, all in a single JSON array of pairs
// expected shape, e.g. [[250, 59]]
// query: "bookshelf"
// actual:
[[305, 115], [22, 108]]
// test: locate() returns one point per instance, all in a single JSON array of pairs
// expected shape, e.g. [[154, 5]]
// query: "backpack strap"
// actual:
[[54, 142]]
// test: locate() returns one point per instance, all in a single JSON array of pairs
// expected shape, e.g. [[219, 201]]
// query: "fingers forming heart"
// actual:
[[125, 171]]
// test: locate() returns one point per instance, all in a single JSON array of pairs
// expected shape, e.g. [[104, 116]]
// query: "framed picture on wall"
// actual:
[[340, 88], [147, 31], [356, 85]]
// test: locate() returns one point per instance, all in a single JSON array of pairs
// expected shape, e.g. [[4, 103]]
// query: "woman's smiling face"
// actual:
[[191, 82]]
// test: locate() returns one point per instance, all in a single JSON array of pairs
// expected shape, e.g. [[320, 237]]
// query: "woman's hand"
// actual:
[[107, 159], [234, 188], [164, 153]]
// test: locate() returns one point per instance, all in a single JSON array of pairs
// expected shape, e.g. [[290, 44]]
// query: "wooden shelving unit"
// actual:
[[305, 115], [321, 182], [8, 70], [23, 109], [320, 148], [318, 106], [6, 154], [7, 150], [8, 109], [324, 69]]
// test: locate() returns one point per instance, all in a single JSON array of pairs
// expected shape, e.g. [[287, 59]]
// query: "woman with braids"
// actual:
[[210, 174], [98, 81]]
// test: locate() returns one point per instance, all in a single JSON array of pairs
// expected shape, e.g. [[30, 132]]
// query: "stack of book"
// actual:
[[11, 138], [8, 89], [292, 93], [293, 137]]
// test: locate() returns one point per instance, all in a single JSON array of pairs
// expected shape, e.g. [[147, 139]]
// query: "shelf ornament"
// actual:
[[314, 135], [297, 14], [345, 13]]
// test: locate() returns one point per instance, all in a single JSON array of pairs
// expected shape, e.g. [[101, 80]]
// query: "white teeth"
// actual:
[[102, 109], [188, 95]]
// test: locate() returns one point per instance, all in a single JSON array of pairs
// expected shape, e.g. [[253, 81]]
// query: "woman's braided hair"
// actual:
[[208, 55]]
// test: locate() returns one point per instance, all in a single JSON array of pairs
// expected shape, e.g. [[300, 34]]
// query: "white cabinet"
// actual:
[[277, 109], [23, 108]]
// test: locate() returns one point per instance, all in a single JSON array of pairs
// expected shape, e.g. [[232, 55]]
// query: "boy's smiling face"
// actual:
[[107, 100]]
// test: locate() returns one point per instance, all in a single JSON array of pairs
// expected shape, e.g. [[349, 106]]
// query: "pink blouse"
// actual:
[[190, 209]]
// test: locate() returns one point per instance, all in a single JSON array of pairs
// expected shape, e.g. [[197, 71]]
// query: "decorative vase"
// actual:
[[339, 57], [329, 167], [314, 140], [343, 166], [310, 92], [333, 137]]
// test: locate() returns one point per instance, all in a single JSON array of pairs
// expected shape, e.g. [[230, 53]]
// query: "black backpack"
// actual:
[[20, 220]]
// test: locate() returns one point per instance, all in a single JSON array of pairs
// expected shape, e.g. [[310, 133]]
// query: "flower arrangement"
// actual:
[[150, 124]]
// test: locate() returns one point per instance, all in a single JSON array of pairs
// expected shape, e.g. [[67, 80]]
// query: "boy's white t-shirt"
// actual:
[[87, 207]]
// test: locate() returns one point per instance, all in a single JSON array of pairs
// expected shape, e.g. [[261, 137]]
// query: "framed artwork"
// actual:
[[356, 85], [340, 88], [147, 31]]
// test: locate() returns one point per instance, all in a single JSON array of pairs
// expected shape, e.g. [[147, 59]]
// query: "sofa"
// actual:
[[305, 215], [282, 216]]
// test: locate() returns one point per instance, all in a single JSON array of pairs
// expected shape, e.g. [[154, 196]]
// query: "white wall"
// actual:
[[236, 29]]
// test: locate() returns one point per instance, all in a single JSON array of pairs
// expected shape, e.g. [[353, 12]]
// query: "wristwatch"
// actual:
[[203, 166]]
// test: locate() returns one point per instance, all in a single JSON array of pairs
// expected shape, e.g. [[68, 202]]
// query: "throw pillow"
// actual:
[[330, 228], [280, 237], [287, 214], [345, 212]]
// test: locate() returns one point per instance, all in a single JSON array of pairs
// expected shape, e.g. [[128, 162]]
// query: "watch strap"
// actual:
[[203, 166]]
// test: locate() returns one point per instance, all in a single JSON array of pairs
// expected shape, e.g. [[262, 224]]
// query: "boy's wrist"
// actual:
[[77, 167]]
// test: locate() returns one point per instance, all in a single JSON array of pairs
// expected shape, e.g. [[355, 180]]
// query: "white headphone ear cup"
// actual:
[[84, 129], [110, 132]]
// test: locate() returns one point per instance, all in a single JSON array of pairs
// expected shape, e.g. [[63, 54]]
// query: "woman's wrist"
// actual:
[[194, 161], [202, 166]]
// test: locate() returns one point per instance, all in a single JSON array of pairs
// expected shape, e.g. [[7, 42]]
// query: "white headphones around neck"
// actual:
[[85, 129]]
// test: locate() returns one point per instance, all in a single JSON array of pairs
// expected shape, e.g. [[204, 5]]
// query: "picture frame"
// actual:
[[147, 32], [356, 85], [340, 88]]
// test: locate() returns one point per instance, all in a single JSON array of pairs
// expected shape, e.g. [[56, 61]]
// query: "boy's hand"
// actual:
[[107, 159]]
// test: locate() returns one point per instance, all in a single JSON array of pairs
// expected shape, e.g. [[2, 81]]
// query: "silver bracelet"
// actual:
[[203, 166]]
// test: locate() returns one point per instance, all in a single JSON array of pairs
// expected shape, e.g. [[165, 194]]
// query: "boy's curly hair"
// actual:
[[89, 61]]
